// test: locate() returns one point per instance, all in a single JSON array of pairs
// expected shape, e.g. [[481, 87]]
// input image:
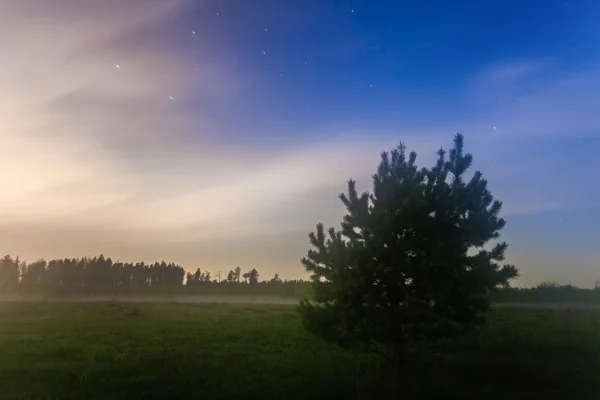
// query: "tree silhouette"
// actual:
[[237, 273], [34, 273], [246, 276], [231, 277], [400, 269], [9, 273], [547, 285], [193, 279], [253, 276]]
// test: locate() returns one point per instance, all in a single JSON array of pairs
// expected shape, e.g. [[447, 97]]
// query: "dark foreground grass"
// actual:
[[185, 351]]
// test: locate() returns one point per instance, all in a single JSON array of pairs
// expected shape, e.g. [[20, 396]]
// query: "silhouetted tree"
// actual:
[[9, 273], [236, 274], [547, 286], [231, 277], [34, 273], [188, 278], [246, 276], [193, 279], [408, 263], [253, 276], [275, 279]]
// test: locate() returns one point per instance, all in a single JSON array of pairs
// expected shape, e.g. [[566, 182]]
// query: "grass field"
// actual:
[[225, 351]]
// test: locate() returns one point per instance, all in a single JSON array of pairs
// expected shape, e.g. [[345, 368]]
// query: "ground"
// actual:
[[225, 351]]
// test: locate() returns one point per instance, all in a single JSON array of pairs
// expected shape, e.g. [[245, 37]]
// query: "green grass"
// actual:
[[204, 351]]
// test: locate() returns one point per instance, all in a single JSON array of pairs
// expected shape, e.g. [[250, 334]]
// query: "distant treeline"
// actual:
[[102, 276], [549, 292]]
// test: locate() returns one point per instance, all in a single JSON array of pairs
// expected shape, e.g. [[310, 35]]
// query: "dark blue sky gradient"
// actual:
[[387, 63]]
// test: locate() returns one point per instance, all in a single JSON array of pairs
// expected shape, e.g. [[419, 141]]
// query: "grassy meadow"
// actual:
[[225, 351]]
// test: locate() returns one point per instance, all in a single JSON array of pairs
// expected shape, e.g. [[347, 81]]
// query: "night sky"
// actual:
[[218, 133]]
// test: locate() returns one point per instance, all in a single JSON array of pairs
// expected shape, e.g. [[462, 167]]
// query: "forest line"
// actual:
[[100, 275]]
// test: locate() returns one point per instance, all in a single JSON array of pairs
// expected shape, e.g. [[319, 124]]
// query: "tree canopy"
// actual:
[[409, 261]]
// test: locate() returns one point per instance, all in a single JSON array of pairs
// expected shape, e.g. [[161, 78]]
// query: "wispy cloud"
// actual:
[[90, 120], [538, 98], [95, 156], [562, 107], [99, 148], [509, 73]]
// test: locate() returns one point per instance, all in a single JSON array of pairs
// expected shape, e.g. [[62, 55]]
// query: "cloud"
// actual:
[[526, 114], [563, 107], [83, 141], [537, 98], [509, 73], [70, 116], [95, 156]]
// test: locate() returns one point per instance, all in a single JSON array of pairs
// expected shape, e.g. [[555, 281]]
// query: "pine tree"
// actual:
[[408, 263], [253, 276], [197, 276]]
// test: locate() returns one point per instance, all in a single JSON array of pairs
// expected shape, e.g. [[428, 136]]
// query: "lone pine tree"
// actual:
[[409, 262]]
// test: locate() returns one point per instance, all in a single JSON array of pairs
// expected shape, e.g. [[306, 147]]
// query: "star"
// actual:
[[494, 127], [266, 30], [264, 52], [218, 14], [193, 32], [351, 11], [171, 97], [118, 66]]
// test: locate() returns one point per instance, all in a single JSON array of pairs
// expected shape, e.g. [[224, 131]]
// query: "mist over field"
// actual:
[[184, 299]]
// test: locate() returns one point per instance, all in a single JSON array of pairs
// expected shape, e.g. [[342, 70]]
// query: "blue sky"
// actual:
[[218, 133], [391, 63]]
